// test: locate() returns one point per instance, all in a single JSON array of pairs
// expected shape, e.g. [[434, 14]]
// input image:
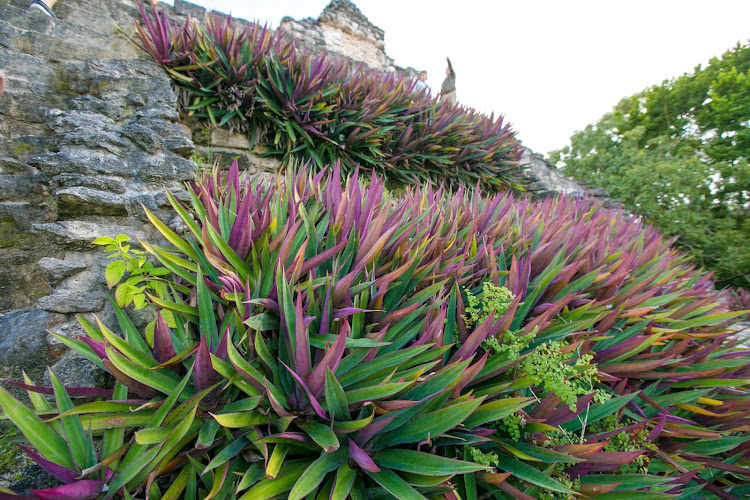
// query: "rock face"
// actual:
[[88, 134], [341, 30], [547, 180]]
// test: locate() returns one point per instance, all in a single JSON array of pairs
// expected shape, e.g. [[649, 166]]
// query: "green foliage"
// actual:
[[493, 298], [133, 262], [677, 155], [551, 368], [312, 341], [546, 365]]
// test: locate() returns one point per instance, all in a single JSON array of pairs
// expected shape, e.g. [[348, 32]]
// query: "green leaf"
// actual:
[[128, 470], [227, 453], [174, 492], [322, 435], [394, 485], [345, 477], [277, 460], [207, 433], [74, 433], [271, 488], [114, 272], [171, 236], [263, 322], [158, 380], [40, 435], [377, 392], [427, 426], [423, 463], [531, 475], [114, 438], [338, 406], [206, 311], [316, 472], [599, 411], [240, 419], [628, 495], [496, 410], [628, 481]]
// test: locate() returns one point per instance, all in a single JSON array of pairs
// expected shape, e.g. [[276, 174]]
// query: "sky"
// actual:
[[550, 67]]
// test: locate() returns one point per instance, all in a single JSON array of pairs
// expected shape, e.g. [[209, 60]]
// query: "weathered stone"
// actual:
[[144, 137], [162, 168], [341, 29], [222, 138], [78, 235], [547, 180], [68, 121], [162, 127], [17, 217], [135, 99], [246, 160], [72, 301], [95, 105], [57, 270], [75, 202], [159, 113], [80, 161], [15, 188], [73, 370], [179, 145], [112, 184], [22, 338], [189, 9]]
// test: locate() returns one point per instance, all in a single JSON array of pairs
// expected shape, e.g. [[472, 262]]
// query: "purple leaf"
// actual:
[[163, 346], [331, 360], [86, 489], [205, 375], [362, 458], [302, 346], [62, 473], [313, 402], [370, 430], [140, 389], [472, 343], [96, 346], [74, 392]]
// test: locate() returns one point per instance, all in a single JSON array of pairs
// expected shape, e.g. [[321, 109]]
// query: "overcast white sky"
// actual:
[[550, 67]]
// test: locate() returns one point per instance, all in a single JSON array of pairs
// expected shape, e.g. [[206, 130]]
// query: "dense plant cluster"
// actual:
[[320, 341], [326, 110], [677, 155]]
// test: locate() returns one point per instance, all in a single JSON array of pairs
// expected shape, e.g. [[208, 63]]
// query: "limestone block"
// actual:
[[112, 184], [180, 145], [72, 301], [81, 161], [75, 202], [143, 137], [57, 270]]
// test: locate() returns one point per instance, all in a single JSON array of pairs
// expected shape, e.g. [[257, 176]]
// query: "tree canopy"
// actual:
[[677, 154]]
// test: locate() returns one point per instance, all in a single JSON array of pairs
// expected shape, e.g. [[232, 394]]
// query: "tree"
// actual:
[[677, 155]]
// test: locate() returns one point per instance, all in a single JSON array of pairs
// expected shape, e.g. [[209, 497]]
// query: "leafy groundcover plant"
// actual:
[[324, 109], [326, 342]]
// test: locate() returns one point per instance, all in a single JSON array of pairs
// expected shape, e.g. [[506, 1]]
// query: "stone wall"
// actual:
[[341, 30], [88, 134]]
